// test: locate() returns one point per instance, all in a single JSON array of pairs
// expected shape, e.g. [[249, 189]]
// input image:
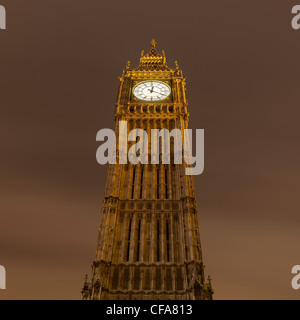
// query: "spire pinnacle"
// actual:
[[153, 43], [209, 280], [153, 61]]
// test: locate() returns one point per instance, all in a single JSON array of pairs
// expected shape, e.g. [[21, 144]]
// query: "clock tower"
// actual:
[[148, 244]]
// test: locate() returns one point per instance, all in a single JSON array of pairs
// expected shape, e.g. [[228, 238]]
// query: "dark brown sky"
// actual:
[[58, 83]]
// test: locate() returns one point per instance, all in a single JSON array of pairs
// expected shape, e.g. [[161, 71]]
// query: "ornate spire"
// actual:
[[153, 43], [86, 280], [209, 279], [153, 61]]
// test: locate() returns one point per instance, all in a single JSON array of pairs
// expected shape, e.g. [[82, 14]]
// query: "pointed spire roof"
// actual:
[[153, 61]]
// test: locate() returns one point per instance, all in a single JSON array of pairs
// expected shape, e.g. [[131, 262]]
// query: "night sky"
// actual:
[[60, 62]]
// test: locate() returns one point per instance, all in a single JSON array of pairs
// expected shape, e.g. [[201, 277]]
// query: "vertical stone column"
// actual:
[[147, 188], [101, 234], [111, 237], [142, 236], [152, 238], [183, 91], [171, 240], [189, 231], [116, 239], [108, 181], [132, 237], [122, 236]]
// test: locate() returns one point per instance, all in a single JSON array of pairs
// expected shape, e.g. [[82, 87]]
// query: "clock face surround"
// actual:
[[151, 90]]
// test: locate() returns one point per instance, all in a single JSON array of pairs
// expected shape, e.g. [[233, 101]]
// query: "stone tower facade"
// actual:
[[149, 241]]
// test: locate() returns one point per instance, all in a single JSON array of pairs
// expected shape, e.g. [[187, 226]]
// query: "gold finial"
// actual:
[[128, 65], [177, 65], [164, 56], [142, 54], [153, 43]]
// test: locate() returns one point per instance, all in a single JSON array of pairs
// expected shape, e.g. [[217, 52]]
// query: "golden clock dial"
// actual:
[[151, 90]]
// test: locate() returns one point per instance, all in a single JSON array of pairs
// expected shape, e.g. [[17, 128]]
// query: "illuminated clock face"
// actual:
[[151, 90]]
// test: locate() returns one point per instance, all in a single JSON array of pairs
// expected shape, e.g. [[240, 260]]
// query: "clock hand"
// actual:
[[159, 93]]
